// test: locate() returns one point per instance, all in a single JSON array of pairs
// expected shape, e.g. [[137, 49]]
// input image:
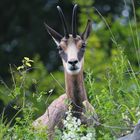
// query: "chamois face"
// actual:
[[71, 51], [71, 46]]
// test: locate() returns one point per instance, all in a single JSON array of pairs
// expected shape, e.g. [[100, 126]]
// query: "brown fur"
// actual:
[[53, 116], [75, 92]]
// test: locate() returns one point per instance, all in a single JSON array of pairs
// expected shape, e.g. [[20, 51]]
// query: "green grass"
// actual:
[[116, 101]]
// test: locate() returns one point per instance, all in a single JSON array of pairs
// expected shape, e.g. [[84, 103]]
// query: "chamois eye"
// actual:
[[59, 48], [83, 46]]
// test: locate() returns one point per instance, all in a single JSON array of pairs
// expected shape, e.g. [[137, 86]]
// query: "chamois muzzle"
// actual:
[[73, 62]]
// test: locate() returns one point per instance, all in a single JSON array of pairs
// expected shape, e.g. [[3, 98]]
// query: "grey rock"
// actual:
[[135, 135]]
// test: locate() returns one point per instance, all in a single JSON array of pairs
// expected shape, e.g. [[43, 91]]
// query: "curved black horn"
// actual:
[[74, 21], [66, 34]]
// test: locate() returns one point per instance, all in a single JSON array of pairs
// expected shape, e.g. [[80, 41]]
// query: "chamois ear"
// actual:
[[55, 35], [87, 30]]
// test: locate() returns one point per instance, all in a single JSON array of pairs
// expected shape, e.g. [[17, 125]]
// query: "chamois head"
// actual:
[[71, 46]]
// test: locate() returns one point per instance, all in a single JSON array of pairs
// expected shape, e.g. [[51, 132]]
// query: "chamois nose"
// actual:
[[73, 62]]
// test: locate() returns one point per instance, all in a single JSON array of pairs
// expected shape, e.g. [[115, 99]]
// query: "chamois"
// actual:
[[71, 50]]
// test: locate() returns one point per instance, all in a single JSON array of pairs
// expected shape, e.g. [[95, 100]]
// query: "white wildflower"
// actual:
[[73, 129]]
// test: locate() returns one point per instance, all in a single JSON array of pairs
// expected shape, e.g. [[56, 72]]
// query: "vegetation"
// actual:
[[112, 79]]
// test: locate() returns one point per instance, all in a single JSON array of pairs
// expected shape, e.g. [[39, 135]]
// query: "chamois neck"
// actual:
[[75, 89]]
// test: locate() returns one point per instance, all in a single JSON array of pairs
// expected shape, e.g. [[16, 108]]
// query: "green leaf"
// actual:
[[16, 91]]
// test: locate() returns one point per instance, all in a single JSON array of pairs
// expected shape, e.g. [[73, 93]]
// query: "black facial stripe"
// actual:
[[80, 54], [63, 56]]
